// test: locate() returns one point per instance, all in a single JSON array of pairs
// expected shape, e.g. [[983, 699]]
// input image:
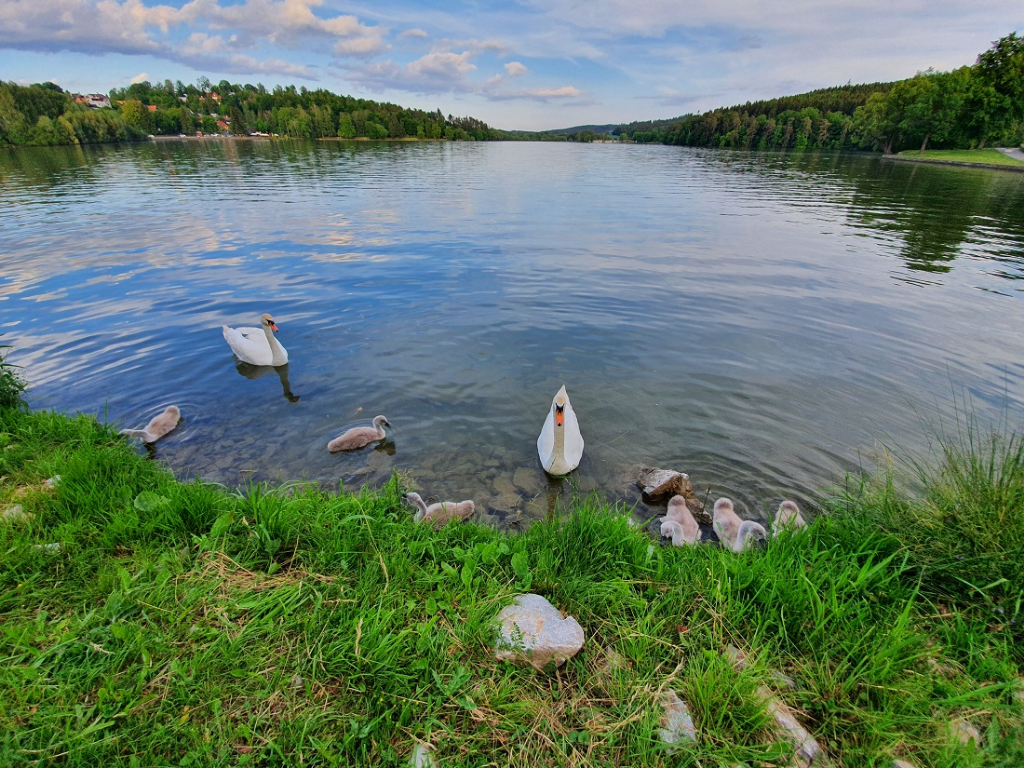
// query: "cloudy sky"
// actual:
[[517, 64]]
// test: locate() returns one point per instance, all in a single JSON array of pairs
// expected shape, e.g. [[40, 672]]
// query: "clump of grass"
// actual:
[[12, 385], [963, 526]]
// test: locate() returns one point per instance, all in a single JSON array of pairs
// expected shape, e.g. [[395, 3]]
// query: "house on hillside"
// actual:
[[92, 100]]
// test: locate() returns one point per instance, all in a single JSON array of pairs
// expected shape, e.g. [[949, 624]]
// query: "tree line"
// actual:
[[285, 111], [967, 108], [44, 114]]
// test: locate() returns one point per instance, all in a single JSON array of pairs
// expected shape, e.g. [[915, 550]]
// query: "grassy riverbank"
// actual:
[[186, 624], [973, 157]]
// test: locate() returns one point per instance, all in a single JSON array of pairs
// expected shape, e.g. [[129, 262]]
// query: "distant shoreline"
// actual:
[[962, 164]]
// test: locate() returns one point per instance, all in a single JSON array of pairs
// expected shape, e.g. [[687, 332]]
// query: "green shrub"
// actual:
[[11, 383]]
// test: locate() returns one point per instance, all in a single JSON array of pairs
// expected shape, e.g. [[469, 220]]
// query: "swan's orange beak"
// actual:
[[273, 327], [560, 415]]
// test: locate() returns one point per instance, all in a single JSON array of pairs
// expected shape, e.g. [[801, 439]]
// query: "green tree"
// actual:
[[136, 114], [1002, 68]]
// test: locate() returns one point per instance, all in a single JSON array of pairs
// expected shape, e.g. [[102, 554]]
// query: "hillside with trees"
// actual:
[[44, 114], [970, 107]]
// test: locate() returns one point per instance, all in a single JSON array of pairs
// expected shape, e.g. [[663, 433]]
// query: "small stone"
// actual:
[[902, 764], [656, 483], [532, 629], [965, 732], [15, 514], [422, 756], [296, 681], [52, 481], [677, 722], [55, 547]]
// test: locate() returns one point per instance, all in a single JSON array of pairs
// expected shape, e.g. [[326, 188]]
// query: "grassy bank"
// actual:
[[975, 157], [187, 624]]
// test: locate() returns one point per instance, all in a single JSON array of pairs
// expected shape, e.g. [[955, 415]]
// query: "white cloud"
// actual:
[[140, 78], [410, 34], [516, 69]]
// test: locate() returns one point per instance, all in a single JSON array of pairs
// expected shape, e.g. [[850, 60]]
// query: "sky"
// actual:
[[516, 64]]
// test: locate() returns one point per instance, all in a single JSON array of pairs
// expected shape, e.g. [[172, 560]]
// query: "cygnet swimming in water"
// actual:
[[679, 523], [788, 516], [439, 513], [357, 437], [734, 533], [158, 426]]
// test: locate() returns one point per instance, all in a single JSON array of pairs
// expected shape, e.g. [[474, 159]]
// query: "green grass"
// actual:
[[985, 156], [188, 624]]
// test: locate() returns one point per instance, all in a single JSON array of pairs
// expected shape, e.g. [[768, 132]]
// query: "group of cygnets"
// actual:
[[736, 534], [559, 447]]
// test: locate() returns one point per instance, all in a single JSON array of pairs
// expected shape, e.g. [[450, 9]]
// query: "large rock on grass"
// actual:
[[533, 630]]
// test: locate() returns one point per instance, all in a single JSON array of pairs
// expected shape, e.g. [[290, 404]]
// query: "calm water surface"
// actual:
[[763, 322]]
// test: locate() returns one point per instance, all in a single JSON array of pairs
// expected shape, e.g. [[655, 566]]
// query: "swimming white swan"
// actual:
[[158, 426], [679, 523], [734, 533], [788, 516], [560, 445], [256, 345], [357, 437], [442, 512]]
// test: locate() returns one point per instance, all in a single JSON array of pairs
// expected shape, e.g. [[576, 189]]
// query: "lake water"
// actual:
[[762, 322]]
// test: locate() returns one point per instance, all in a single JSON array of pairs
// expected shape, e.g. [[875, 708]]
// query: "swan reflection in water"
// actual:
[[251, 371]]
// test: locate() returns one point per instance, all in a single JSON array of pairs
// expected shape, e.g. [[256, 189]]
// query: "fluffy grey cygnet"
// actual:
[[734, 533], [158, 426], [788, 516], [679, 523], [439, 513], [357, 437]]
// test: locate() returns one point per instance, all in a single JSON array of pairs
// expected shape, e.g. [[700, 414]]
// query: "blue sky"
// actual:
[[526, 64]]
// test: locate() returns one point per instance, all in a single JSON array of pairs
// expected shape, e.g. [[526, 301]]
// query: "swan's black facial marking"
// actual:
[[559, 415]]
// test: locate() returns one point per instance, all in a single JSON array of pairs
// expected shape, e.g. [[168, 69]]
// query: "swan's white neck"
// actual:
[[275, 348]]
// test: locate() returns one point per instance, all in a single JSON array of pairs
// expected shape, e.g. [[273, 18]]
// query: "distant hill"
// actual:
[[581, 128]]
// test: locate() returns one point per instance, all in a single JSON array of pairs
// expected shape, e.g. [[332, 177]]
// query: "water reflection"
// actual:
[[759, 321], [252, 372]]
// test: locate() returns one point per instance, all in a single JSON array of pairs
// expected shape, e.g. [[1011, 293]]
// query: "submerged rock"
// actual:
[[533, 630], [677, 722], [656, 483]]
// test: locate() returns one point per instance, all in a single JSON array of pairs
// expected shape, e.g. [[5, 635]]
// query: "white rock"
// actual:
[[902, 764], [422, 756], [533, 630], [15, 514], [965, 732], [677, 722], [55, 547]]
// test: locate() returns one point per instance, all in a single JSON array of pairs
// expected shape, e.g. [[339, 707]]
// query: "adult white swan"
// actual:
[[256, 345], [560, 445]]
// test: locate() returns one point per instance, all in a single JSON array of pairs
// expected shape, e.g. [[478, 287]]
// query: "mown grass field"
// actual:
[[983, 156], [188, 624]]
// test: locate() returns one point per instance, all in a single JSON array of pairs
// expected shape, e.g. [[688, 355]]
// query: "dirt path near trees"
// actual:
[[1015, 153]]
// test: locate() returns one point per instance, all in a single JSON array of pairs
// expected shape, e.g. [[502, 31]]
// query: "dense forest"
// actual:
[[44, 114], [967, 108]]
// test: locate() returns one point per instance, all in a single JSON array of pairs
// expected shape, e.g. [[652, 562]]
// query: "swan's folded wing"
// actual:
[[546, 441], [249, 350], [573, 438]]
